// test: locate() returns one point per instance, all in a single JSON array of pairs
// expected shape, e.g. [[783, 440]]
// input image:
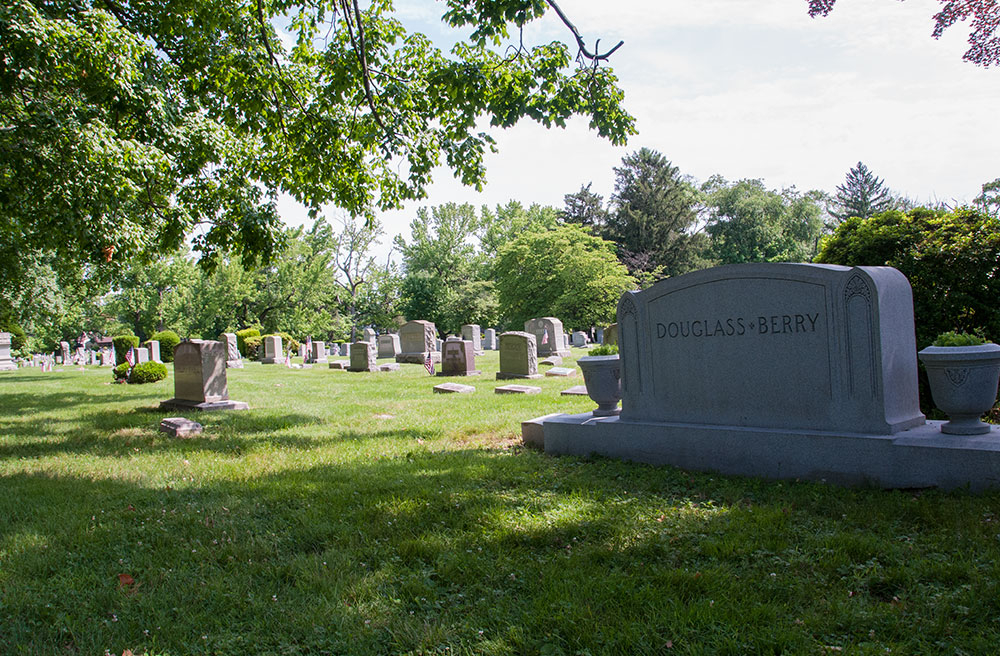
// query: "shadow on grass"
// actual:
[[601, 556]]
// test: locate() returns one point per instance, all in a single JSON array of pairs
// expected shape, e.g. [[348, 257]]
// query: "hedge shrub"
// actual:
[[241, 340], [148, 372], [120, 372], [168, 339], [254, 345], [122, 344]]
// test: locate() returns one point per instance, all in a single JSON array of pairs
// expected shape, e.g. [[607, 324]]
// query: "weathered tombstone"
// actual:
[[139, 355], [154, 350], [517, 389], [345, 350], [549, 336], [562, 372], [370, 336], [318, 355], [272, 350], [490, 340], [438, 344], [458, 359], [576, 390], [552, 361], [389, 366], [599, 335], [779, 371], [303, 352], [340, 364], [200, 377], [453, 388], [233, 358], [180, 427], [471, 333], [363, 357], [64, 352], [335, 350], [518, 356], [417, 341], [388, 346], [611, 334], [579, 339], [108, 358], [6, 362]]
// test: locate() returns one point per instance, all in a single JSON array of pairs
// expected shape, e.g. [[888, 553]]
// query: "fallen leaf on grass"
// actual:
[[124, 580]]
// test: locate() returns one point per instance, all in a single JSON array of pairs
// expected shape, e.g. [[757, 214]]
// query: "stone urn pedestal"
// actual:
[[603, 377], [963, 383]]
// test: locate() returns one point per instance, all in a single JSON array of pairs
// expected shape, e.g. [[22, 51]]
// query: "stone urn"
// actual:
[[603, 377], [963, 383]]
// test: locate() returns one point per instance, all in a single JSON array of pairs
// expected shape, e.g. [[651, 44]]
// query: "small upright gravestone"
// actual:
[[107, 358], [611, 334], [318, 355], [490, 340], [200, 377], [471, 333], [518, 356], [6, 363], [233, 358], [417, 342], [599, 335], [458, 358], [370, 336], [549, 336], [139, 355], [363, 357], [154, 350], [303, 353], [272, 350], [388, 346], [579, 339], [64, 352]]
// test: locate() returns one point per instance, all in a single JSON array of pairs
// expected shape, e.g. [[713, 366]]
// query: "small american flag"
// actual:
[[130, 358], [545, 337], [288, 358], [429, 364]]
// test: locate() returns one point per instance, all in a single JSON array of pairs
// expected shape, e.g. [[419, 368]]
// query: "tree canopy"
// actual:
[[984, 43], [128, 125], [563, 272]]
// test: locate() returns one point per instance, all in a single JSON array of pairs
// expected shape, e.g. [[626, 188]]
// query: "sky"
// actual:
[[750, 89]]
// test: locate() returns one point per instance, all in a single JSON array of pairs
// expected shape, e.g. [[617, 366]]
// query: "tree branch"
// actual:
[[595, 56]]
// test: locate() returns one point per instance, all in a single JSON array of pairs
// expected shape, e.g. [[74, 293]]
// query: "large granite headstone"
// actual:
[[490, 340], [417, 339], [233, 358], [518, 356], [200, 377], [363, 357], [6, 362], [272, 350], [471, 333], [549, 336], [779, 371], [458, 358], [388, 346]]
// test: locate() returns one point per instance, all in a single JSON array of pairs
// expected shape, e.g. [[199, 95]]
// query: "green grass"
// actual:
[[350, 513]]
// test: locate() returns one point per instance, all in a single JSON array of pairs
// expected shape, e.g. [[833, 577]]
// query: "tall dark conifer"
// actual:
[[862, 194]]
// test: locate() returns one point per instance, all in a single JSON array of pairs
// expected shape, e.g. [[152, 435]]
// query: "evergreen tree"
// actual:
[[584, 208], [862, 195], [654, 217]]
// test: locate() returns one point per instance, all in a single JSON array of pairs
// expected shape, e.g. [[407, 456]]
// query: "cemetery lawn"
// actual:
[[350, 513]]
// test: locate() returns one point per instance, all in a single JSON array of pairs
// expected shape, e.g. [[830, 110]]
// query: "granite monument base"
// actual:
[[919, 457], [185, 404]]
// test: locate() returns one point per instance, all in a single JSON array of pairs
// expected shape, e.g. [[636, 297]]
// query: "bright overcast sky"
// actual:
[[754, 89]]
